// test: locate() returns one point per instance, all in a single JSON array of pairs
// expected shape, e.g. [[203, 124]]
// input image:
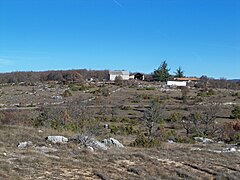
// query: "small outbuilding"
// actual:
[[139, 76], [123, 74]]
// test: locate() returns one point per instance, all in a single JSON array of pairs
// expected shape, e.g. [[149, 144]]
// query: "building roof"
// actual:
[[187, 79], [119, 72]]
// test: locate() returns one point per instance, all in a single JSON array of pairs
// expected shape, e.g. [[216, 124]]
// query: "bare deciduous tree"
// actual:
[[202, 120], [153, 115]]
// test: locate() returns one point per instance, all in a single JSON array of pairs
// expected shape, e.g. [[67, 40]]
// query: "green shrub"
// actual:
[[171, 134], [184, 139], [237, 94], [236, 112], [142, 141], [146, 96], [113, 129], [211, 92], [202, 94], [150, 88], [122, 130], [75, 87], [174, 117], [127, 108], [52, 86], [67, 93], [137, 100]]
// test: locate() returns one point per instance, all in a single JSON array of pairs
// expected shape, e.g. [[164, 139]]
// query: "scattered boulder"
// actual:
[[170, 141], [113, 142], [232, 149], [57, 139], [203, 140], [94, 144], [80, 139], [89, 142], [90, 148], [57, 97], [106, 126], [24, 144], [97, 145]]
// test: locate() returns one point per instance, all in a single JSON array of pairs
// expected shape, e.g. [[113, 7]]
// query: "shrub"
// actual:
[[237, 94], [150, 88], [183, 139], [75, 87], [122, 130], [146, 96], [236, 112], [118, 81], [174, 117], [67, 93], [206, 93], [105, 91], [231, 131], [142, 141], [126, 108]]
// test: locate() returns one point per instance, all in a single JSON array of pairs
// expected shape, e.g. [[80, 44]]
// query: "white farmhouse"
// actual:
[[123, 74]]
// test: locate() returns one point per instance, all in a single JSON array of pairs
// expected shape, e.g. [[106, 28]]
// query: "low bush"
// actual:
[[142, 141], [236, 112], [127, 108], [67, 93], [184, 139], [174, 117], [122, 130], [232, 132], [208, 93]]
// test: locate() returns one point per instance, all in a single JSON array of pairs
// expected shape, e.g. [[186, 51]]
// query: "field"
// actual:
[[33, 112]]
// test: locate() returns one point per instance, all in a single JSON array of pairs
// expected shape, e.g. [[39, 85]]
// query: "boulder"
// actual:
[[90, 148], [113, 142], [97, 145], [24, 144], [203, 140], [89, 142], [170, 141], [232, 149], [57, 139]]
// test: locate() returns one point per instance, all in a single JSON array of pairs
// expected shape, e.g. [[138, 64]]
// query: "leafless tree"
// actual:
[[202, 120], [152, 116]]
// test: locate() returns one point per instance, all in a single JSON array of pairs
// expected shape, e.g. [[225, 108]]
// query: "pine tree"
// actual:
[[162, 73], [179, 73]]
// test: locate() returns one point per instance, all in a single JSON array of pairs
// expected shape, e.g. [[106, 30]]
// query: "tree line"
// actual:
[[61, 76]]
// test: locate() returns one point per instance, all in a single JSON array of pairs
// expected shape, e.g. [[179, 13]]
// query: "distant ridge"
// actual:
[[235, 80]]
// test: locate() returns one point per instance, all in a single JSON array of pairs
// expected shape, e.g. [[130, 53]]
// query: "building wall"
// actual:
[[176, 83], [112, 77]]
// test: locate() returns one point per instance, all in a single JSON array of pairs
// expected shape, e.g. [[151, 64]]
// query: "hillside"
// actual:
[[153, 122]]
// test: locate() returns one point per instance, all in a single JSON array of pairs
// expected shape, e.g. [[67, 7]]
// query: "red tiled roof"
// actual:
[[186, 79]]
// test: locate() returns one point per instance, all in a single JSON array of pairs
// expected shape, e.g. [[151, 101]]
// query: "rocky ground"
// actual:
[[42, 159]]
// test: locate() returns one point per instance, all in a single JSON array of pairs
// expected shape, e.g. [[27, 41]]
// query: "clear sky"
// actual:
[[201, 36]]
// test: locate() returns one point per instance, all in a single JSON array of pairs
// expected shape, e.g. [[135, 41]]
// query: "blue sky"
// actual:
[[201, 36]]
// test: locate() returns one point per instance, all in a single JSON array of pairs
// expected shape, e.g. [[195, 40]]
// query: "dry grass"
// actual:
[[71, 161], [171, 161]]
